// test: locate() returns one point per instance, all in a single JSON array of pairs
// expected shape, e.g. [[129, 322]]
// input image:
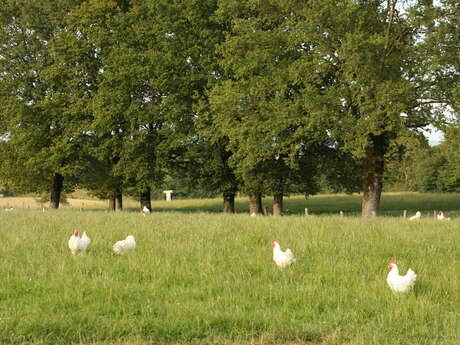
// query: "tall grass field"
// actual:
[[200, 277]]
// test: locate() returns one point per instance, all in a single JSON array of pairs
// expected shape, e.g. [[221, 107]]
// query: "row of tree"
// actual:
[[416, 166], [257, 96]]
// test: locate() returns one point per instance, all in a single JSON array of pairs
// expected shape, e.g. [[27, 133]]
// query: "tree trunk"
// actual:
[[373, 167], [145, 199], [118, 199], [56, 191], [112, 203], [229, 202], [278, 205], [255, 204]]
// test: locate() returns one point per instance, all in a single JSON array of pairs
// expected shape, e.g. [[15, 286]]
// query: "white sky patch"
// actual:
[[434, 136]]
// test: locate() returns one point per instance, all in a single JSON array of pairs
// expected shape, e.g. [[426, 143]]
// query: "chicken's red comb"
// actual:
[[275, 240], [75, 233], [392, 262]]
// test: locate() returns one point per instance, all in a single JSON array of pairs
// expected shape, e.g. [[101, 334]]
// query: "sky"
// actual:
[[435, 137]]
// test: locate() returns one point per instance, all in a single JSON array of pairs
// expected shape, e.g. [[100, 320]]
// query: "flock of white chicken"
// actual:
[[79, 244], [396, 282], [439, 216]]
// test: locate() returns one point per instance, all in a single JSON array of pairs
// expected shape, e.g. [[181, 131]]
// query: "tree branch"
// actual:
[[391, 4]]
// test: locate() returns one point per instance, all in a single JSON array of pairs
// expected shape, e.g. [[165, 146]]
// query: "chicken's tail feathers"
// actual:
[[117, 248], [290, 255], [85, 241], [411, 277]]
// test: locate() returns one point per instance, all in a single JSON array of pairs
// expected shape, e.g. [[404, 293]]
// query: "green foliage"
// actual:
[[415, 166], [275, 142], [6, 192], [406, 163], [339, 173], [41, 135], [449, 152], [441, 42], [184, 188], [274, 97], [428, 172], [207, 167]]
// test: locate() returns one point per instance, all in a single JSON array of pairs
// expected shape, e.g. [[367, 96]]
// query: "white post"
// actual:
[[168, 194], [341, 213], [404, 213], [306, 211]]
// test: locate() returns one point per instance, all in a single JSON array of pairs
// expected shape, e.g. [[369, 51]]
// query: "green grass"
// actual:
[[392, 204], [204, 278]]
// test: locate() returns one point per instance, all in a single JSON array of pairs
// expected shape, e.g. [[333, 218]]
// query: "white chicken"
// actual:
[[417, 215], [440, 216], [78, 244], [85, 241], [282, 259], [397, 282], [145, 210], [123, 246]]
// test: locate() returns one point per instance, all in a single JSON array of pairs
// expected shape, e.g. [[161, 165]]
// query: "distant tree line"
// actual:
[[261, 97], [417, 167]]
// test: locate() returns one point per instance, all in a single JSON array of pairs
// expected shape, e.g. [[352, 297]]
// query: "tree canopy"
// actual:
[[263, 97]]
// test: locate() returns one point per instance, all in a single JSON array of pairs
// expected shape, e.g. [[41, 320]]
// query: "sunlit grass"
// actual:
[[30, 202], [203, 278], [392, 204]]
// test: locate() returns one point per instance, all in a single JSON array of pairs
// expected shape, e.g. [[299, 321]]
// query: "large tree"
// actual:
[[132, 95], [388, 85], [379, 84], [356, 70], [263, 107], [94, 35], [40, 121], [193, 34], [377, 80]]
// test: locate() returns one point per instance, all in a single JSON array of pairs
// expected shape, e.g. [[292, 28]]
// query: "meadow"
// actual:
[[200, 277]]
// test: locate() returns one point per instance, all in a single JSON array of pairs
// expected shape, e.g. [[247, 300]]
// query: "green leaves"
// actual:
[[250, 95], [42, 134]]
